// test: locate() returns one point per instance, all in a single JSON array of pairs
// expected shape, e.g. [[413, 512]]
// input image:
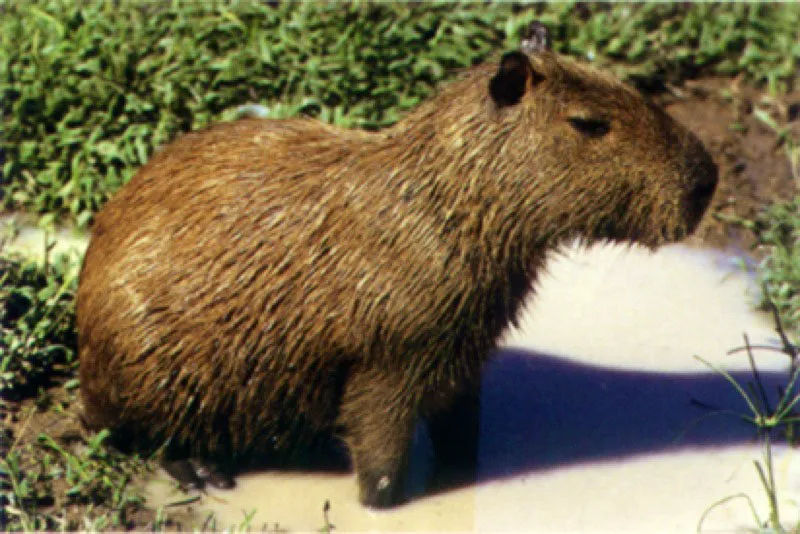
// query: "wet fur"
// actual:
[[262, 282]]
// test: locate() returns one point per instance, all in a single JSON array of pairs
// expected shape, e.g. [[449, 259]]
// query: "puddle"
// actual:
[[631, 308], [595, 416]]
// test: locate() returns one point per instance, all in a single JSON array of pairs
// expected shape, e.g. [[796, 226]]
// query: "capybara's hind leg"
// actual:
[[213, 474], [183, 472], [378, 422], [194, 474]]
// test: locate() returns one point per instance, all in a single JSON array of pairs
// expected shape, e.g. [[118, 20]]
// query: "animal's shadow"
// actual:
[[541, 412]]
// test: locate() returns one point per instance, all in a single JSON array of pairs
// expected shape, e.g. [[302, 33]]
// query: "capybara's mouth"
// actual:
[[705, 177], [698, 200]]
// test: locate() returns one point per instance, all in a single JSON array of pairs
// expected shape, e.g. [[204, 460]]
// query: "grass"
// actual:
[[37, 322], [51, 483], [777, 229], [767, 420], [86, 95]]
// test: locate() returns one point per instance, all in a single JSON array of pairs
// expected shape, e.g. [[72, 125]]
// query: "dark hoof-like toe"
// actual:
[[185, 473], [380, 491], [194, 474], [212, 474]]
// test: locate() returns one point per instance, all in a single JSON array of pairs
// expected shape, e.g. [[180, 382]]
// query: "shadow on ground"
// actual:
[[540, 412]]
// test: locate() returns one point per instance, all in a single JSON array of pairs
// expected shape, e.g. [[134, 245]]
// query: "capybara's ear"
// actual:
[[535, 38], [512, 79]]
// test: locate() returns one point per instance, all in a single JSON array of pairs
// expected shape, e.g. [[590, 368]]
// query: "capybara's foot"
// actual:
[[194, 474], [183, 472], [378, 434], [212, 474], [380, 488]]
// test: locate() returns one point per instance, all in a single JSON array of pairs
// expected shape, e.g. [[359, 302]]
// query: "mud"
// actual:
[[754, 167]]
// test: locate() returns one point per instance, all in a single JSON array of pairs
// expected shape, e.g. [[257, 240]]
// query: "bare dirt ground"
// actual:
[[754, 167]]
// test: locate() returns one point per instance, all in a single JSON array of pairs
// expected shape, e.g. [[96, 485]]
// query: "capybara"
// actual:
[[262, 282]]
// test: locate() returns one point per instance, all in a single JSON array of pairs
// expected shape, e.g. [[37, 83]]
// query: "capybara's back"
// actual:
[[192, 317], [262, 282]]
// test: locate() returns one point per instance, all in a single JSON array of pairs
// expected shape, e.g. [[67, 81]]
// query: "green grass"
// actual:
[[778, 229], [90, 89], [37, 322], [768, 419], [49, 485]]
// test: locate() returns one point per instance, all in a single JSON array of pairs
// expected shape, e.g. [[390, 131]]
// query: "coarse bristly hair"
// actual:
[[263, 281]]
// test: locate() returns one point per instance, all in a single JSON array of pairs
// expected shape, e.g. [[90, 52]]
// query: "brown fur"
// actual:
[[263, 280]]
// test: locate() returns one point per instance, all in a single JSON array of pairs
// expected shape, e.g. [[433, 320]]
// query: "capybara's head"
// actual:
[[626, 170]]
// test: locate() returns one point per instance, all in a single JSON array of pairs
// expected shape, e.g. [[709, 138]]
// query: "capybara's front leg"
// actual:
[[378, 416]]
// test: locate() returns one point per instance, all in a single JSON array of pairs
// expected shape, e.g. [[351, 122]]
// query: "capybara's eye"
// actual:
[[590, 127]]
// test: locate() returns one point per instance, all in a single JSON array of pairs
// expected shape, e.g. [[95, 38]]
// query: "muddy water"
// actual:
[[595, 415]]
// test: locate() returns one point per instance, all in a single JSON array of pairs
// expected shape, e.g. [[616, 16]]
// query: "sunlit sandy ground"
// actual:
[[596, 417]]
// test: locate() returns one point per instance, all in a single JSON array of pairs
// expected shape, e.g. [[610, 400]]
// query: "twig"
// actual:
[[759, 347], [788, 348], [22, 430]]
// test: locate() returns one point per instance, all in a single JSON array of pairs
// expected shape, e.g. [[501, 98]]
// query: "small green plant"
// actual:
[[37, 320], [766, 419], [48, 485], [776, 115], [17, 495], [777, 232]]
